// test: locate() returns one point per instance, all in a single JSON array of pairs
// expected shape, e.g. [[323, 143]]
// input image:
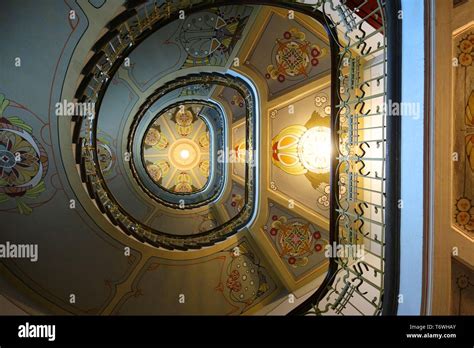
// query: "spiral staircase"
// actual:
[[233, 150]]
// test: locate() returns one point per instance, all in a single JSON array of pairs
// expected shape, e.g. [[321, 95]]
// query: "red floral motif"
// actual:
[[234, 275], [293, 57], [296, 240], [232, 281], [237, 201]]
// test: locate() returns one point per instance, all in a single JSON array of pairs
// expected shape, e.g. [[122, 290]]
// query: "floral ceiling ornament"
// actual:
[[294, 56], [184, 119], [158, 170], [23, 161], [237, 100], [245, 280], [324, 200], [464, 215], [204, 168], [466, 50], [237, 201], [184, 184], [204, 140], [285, 150], [463, 210], [296, 239], [239, 154], [155, 138]]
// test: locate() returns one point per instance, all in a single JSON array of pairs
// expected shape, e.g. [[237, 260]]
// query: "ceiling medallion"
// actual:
[[184, 154]]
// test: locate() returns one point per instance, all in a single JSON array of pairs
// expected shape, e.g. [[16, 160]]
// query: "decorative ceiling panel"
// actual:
[[231, 282], [300, 150], [206, 38], [288, 54], [300, 244]]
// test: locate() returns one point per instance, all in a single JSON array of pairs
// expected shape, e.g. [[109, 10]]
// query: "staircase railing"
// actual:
[[366, 163]]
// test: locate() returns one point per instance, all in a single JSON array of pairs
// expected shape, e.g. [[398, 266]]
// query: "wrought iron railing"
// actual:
[[368, 160]]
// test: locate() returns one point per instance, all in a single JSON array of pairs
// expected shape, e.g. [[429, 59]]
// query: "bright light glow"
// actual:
[[314, 149], [184, 154]]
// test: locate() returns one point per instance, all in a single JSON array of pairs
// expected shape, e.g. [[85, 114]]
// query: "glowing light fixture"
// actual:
[[314, 149], [184, 154]]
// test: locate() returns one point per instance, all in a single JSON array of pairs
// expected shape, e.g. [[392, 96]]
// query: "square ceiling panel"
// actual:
[[287, 54]]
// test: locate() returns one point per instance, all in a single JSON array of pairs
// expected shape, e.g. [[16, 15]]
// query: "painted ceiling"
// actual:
[[176, 150], [278, 214]]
